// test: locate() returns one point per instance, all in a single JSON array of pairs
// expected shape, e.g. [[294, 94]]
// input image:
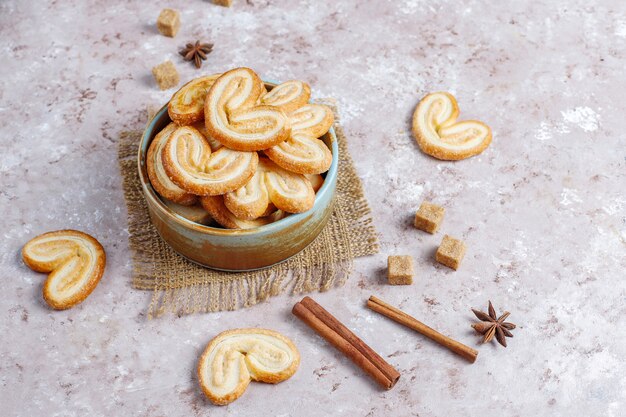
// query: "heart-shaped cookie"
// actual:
[[288, 191], [195, 213], [303, 152], [233, 117], [235, 357], [312, 119], [288, 96], [74, 260], [190, 164], [215, 145], [187, 104], [439, 134], [216, 208], [159, 179], [316, 181]]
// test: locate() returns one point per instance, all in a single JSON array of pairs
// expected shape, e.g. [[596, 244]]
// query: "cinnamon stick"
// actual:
[[331, 329], [401, 317]]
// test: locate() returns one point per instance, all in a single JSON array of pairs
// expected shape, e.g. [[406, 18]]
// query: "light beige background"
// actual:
[[542, 210]]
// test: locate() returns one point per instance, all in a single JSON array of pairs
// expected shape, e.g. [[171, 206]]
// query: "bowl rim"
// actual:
[[286, 222]]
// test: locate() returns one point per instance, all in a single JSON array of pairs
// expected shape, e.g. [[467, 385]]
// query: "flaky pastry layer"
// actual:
[[74, 260], [215, 206], [233, 117], [235, 357], [288, 96], [439, 134], [190, 164], [303, 152], [187, 104], [288, 191], [159, 179]]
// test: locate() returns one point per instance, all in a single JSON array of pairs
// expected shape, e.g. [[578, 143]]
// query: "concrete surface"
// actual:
[[542, 210]]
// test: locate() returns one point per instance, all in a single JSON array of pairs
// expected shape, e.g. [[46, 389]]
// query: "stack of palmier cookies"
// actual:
[[238, 154]]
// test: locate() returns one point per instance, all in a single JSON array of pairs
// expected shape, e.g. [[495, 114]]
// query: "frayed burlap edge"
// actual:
[[182, 287]]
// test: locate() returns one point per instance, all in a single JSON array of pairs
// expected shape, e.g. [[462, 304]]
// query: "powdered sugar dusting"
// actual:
[[584, 117], [569, 196], [546, 130], [620, 28]]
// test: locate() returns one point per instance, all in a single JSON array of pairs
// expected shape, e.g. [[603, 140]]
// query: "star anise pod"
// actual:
[[196, 52], [492, 325]]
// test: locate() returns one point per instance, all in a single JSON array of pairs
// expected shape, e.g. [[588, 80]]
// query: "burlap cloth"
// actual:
[[182, 287]]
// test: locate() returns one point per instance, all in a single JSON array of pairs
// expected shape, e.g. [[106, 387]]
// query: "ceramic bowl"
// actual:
[[237, 250]]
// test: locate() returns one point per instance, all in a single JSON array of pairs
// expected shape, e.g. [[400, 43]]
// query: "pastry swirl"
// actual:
[[316, 181], [288, 191], [438, 133], [214, 144], [235, 357], [74, 260], [312, 119], [303, 153], [288, 96], [159, 179], [189, 162], [195, 213], [187, 104], [215, 206], [233, 117]]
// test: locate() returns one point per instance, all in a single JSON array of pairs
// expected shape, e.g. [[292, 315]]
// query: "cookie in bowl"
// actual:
[[256, 156]]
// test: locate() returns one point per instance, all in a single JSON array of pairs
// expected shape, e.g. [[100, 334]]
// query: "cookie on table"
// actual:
[[74, 260], [236, 357], [439, 134]]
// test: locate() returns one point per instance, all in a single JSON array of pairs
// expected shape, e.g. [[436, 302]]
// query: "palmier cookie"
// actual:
[[157, 175], [215, 206], [316, 181], [288, 191], [235, 357], [195, 213], [234, 119], [214, 144], [303, 153], [439, 134], [187, 104], [74, 260], [288, 96], [312, 119], [189, 162]]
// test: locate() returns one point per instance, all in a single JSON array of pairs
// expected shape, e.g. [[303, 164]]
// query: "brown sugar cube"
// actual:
[[450, 252], [166, 75], [400, 270], [429, 217], [168, 22], [225, 3]]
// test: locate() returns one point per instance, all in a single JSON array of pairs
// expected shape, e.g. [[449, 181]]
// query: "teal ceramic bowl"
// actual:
[[237, 250]]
